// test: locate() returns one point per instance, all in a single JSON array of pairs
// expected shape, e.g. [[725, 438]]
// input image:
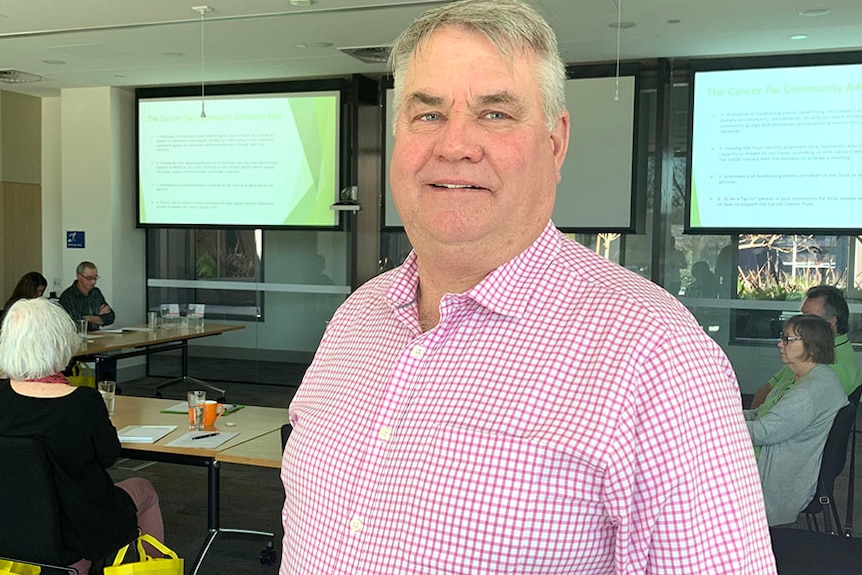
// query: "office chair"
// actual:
[[285, 434], [801, 552], [30, 521], [831, 466]]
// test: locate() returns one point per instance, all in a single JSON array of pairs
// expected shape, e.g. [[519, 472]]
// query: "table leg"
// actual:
[[214, 515], [184, 376]]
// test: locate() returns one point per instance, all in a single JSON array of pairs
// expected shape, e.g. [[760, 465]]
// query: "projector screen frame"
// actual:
[[637, 212], [755, 63], [341, 86]]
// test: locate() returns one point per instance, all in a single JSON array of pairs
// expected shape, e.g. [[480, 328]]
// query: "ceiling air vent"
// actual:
[[369, 54], [18, 77]]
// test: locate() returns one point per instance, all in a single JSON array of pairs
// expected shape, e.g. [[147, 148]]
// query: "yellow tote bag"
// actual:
[[12, 568], [146, 565], [82, 375]]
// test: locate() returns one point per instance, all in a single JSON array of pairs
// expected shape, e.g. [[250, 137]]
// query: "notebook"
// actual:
[[144, 433]]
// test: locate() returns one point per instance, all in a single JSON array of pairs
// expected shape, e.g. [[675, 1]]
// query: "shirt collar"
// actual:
[[506, 290]]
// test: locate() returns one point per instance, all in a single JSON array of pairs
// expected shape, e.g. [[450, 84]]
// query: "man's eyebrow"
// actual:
[[498, 98], [424, 99], [493, 99]]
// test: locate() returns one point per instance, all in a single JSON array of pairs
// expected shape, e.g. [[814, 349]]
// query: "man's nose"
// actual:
[[460, 139]]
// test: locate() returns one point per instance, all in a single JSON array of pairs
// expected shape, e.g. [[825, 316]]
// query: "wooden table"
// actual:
[[251, 422], [262, 451], [102, 346]]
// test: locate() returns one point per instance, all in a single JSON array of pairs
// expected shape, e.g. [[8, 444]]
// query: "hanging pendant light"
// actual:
[[202, 10]]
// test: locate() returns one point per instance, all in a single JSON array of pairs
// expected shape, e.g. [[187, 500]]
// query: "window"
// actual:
[[208, 266]]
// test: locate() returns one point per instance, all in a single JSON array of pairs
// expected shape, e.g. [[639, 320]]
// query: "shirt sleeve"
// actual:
[[685, 489], [107, 318], [782, 374], [793, 413], [67, 302]]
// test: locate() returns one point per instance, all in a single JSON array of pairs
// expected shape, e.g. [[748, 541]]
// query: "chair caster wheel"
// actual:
[[267, 555]]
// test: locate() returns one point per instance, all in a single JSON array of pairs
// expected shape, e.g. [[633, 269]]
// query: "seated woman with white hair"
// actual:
[[98, 517]]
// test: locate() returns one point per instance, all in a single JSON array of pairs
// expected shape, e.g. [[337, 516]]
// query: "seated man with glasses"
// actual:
[[790, 428], [828, 302], [83, 300]]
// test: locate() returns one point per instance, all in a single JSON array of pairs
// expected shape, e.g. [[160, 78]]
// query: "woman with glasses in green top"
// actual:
[[790, 428]]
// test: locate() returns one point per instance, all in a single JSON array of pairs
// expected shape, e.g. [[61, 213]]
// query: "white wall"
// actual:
[[53, 237], [98, 195], [88, 169]]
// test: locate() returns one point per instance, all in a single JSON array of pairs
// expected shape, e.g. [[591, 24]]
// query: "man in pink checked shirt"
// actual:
[[507, 401]]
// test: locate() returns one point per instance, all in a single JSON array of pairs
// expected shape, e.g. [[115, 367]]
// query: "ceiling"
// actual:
[[81, 43]]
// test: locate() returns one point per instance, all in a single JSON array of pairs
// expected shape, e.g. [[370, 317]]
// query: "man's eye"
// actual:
[[429, 117], [496, 116]]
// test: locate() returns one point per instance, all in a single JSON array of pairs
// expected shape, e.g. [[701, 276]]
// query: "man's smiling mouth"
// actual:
[[458, 186]]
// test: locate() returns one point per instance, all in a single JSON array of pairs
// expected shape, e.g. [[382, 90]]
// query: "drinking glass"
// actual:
[[108, 389]]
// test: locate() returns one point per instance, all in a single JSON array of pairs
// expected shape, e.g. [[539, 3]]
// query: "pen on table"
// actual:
[[205, 435]]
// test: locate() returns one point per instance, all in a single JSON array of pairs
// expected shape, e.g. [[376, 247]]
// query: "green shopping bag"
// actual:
[[146, 565]]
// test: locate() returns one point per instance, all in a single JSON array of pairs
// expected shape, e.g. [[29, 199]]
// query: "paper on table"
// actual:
[[183, 407], [215, 440], [114, 330], [144, 433]]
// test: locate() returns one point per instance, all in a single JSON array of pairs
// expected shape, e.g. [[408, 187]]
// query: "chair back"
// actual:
[[30, 528], [285, 434], [853, 398], [835, 450]]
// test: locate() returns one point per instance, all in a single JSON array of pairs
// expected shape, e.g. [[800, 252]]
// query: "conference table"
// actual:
[[257, 443], [140, 340]]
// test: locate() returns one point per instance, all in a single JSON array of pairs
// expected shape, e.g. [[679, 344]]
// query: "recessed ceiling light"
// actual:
[[673, 21], [54, 62], [799, 37], [815, 12], [622, 25], [301, 2]]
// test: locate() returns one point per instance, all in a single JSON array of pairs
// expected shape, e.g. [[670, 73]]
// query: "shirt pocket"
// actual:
[[495, 503]]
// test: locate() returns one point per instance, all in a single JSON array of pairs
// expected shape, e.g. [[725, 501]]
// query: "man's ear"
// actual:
[[560, 141]]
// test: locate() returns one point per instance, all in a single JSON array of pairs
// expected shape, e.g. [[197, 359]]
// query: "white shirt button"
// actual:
[[385, 433], [356, 525], [417, 352]]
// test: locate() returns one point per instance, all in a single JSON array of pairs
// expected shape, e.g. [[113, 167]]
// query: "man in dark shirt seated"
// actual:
[[83, 300]]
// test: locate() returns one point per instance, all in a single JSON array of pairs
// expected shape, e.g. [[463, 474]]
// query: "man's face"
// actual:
[[474, 165], [87, 280], [815, 306]]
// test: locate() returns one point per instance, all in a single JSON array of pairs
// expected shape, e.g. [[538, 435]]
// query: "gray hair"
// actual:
[[84, 266], [510, 25], [37, 339]]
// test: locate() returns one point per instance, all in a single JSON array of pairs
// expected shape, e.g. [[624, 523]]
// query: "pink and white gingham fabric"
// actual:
[[565, 416]]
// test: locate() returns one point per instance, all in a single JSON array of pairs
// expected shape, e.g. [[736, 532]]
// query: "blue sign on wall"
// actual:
[[74, 239]]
